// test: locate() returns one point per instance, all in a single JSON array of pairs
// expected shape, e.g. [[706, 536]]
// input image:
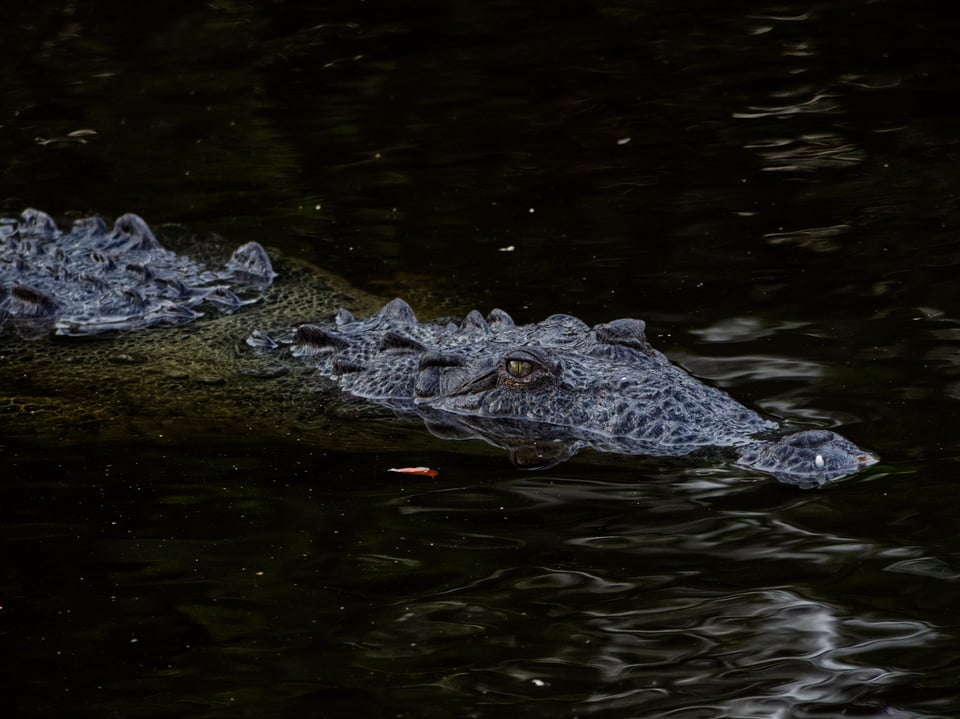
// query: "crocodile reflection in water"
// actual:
[[542, 391]]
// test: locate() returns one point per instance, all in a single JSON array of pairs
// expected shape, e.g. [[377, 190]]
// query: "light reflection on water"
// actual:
[[638, 618], [646, 589]]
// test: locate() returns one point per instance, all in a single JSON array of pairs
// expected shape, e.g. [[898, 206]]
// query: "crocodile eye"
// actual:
[[527, 366], [519, 368]]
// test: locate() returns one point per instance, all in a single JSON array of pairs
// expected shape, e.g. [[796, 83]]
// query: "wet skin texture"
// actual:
[[541, 391], [546, 390]]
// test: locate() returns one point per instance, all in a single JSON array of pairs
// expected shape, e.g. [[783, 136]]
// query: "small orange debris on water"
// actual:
[[422, 471]]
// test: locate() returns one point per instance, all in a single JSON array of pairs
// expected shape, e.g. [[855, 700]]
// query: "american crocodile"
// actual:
[[542, 391]]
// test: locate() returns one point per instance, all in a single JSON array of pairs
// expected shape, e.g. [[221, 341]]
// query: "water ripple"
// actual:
[[750, 654], [820, 102], [817, 239], [807, 152], [749, 367]]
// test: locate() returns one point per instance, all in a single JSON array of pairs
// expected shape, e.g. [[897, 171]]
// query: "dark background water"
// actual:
[[771, 186]]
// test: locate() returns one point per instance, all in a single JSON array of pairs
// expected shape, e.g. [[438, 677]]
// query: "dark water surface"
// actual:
[[773, 187]]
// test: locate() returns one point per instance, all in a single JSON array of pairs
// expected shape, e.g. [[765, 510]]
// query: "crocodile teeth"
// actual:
[[344, 317]]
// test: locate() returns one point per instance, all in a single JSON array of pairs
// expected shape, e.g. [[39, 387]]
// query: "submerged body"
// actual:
[[545, 391], [93, 279], [542, 391]]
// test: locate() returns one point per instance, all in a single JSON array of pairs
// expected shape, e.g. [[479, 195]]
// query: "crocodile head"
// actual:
[[606, 388], [610, 391], [544, 391]]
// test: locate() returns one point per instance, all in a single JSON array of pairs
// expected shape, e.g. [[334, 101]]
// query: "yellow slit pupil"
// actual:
[[519, 368]]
